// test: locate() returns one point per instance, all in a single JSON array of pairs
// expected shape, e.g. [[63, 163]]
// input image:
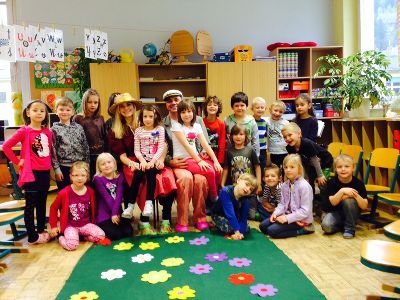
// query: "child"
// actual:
[[149, 146], [276, 143], [293, 216], [231, 210], [185, 135], [109, 185], [215, 127], [305, 117], [258, 108], [69, 142], [347, 196], [76, 204], [239, 103], [272, 192], [316, 160], [35, 164], [94, 126]]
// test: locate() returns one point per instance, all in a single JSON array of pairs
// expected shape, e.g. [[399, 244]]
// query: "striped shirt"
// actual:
[[271, 197], [262, 129], [149, 143]]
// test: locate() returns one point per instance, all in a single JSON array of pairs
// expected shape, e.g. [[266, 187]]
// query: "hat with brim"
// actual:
[[172, 93], [124, 98]]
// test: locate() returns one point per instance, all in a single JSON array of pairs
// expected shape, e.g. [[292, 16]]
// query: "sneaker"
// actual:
[[348, 235], [43, 238], [165, 227], [148, 208], [181, 228], [128, 212], [146, 229], [201, 225]]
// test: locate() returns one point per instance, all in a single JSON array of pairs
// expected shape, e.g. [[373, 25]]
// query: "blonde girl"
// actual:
[[293, 216], [76, 204], [109, 186], [35, 164]]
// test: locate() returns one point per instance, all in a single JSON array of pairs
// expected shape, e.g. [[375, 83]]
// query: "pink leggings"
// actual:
[[210, 175], [91, 233]]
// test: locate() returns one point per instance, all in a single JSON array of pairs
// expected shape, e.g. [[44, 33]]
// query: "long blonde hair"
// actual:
[[118, 125], [104, 156], [296, 160]]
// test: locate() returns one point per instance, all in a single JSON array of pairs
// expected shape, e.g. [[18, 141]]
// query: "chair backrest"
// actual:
[[388, 158], [334, 148], [356, 152]]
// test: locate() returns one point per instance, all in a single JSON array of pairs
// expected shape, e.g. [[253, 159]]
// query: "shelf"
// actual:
[[324, 77], [172, 80], [293, 78]]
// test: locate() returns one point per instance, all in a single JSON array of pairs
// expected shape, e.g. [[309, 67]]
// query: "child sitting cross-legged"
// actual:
[[271, 192]]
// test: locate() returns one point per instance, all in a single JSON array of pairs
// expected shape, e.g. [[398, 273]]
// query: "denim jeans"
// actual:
[[343, 218], [264, 214], [277, 230]]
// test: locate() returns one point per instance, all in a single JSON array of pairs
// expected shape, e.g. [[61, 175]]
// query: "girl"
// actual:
[[305, 117], [108, 185], [35, 164], [93, 124], [293, 216], [77, 210], [149, 146], [185, 135]]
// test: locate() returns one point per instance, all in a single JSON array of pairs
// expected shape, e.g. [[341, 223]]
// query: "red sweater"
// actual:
[[216, 133], [61, 203]]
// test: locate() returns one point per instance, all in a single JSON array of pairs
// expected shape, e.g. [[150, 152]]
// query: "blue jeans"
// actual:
[[277, 230], [343, 218], [264, 214]]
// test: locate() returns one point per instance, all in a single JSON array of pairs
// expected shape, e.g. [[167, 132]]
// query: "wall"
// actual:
[[132, 23]]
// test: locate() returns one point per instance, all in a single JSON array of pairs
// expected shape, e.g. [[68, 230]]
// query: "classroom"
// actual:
[[199, 149]]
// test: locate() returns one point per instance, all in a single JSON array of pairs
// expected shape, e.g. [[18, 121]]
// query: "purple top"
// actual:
[[78, 209], [109, 196], [296, 201]]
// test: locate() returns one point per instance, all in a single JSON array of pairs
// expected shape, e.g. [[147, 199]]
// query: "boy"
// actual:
[[272, 192], [239, 103], [69, 142], [258, 108], [232, 207], [276, 143], [347, 196]]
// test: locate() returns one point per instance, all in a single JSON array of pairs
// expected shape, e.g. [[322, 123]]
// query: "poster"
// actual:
[[25, 50], [7, 43], [41, 45], [56, 44], [50, 97], [96, 44]]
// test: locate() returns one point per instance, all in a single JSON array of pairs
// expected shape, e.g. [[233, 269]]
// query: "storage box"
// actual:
[[284, 86], [242, 53], [288, 94], [222, 57], [299, 85], [319, 113]]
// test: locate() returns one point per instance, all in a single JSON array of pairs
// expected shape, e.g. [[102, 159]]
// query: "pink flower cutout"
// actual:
[[216, 257], [199, 241], [263, 290], [240, 262], [199, 269]]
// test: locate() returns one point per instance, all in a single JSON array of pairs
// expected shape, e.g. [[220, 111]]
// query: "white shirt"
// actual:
[[275, 140], [191, 134]]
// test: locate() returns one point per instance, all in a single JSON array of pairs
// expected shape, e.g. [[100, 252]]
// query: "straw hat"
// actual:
[[124, 98], [172, 93]]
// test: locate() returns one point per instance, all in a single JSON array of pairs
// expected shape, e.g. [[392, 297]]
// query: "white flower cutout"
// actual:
[[142, 258], [113, 274]]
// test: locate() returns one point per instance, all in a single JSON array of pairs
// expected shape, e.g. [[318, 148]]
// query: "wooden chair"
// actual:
[[391, 199], [392, 231], [356, 152], [387, 158], [381, 255]]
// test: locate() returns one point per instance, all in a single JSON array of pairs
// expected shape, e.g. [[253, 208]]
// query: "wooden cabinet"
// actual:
[[253, 78]]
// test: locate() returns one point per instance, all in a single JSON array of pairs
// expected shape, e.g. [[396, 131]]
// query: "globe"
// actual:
[[149, 50]]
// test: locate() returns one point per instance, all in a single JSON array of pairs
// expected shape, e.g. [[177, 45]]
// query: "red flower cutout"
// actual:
[[241, 278], [104, 242]]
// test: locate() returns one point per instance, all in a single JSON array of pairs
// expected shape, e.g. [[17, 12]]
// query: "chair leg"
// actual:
[[156, 216], [391, 288], [373, 216]]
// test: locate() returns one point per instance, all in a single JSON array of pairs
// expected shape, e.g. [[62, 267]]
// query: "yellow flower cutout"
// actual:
[[175, 239], [172, 262], [149, 246], [84, 295], [181, 292], [154, 277], [123, 246]]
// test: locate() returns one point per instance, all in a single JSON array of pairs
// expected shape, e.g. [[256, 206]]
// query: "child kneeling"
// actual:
[[293, 216], [231, 210]]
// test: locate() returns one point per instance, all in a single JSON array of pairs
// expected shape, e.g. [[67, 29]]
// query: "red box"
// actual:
[[300, 85], [288, 94]]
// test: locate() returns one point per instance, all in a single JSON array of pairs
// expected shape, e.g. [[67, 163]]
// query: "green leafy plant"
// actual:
[[353, 78]]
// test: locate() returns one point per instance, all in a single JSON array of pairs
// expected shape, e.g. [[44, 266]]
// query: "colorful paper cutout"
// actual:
[[200, 269], [199, 241], [84, 295], [149, 246], [122, 246], [154, 277], [172, 262], [175, 239], [216, 257], [240, 262], [241, 278], [142, 258], [181, 293], [263, 290], [113, 274]]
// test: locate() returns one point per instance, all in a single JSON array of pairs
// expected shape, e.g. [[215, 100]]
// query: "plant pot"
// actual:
[[361, 112]]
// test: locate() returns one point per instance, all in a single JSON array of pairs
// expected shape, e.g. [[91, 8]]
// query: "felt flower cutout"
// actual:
[[149, 246], [199, 241], [113, 274], [123, 246], [175, 239], [241, 278], [263, 290], [181, 293], [104, 242], [199, 269], [172, 262], [154, 277], [240, 262], [142, 258], [84, 295], [218, 257]]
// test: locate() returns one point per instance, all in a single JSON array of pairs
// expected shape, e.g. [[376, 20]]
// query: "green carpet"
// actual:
[[269, 266]]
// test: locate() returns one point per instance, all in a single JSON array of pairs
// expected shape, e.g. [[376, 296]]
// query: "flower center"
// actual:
[[201, 269], [239, 262], [180, 293], [263, 290], [241, 278]]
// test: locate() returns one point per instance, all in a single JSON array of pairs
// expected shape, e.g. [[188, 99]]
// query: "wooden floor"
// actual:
[[330, 262]]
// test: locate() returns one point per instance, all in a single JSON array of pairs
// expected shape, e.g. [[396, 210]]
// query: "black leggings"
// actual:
[[150, 181], [35, 199], [117, 232]]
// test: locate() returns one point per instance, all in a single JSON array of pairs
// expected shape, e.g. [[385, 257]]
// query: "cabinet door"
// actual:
[[259, 79], [111, 78], [223, 80]]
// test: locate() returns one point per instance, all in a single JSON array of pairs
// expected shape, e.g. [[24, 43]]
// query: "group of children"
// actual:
[[234, 158]]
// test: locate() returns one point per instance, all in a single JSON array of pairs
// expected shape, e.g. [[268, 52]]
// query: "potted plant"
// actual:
[[355, 80]]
